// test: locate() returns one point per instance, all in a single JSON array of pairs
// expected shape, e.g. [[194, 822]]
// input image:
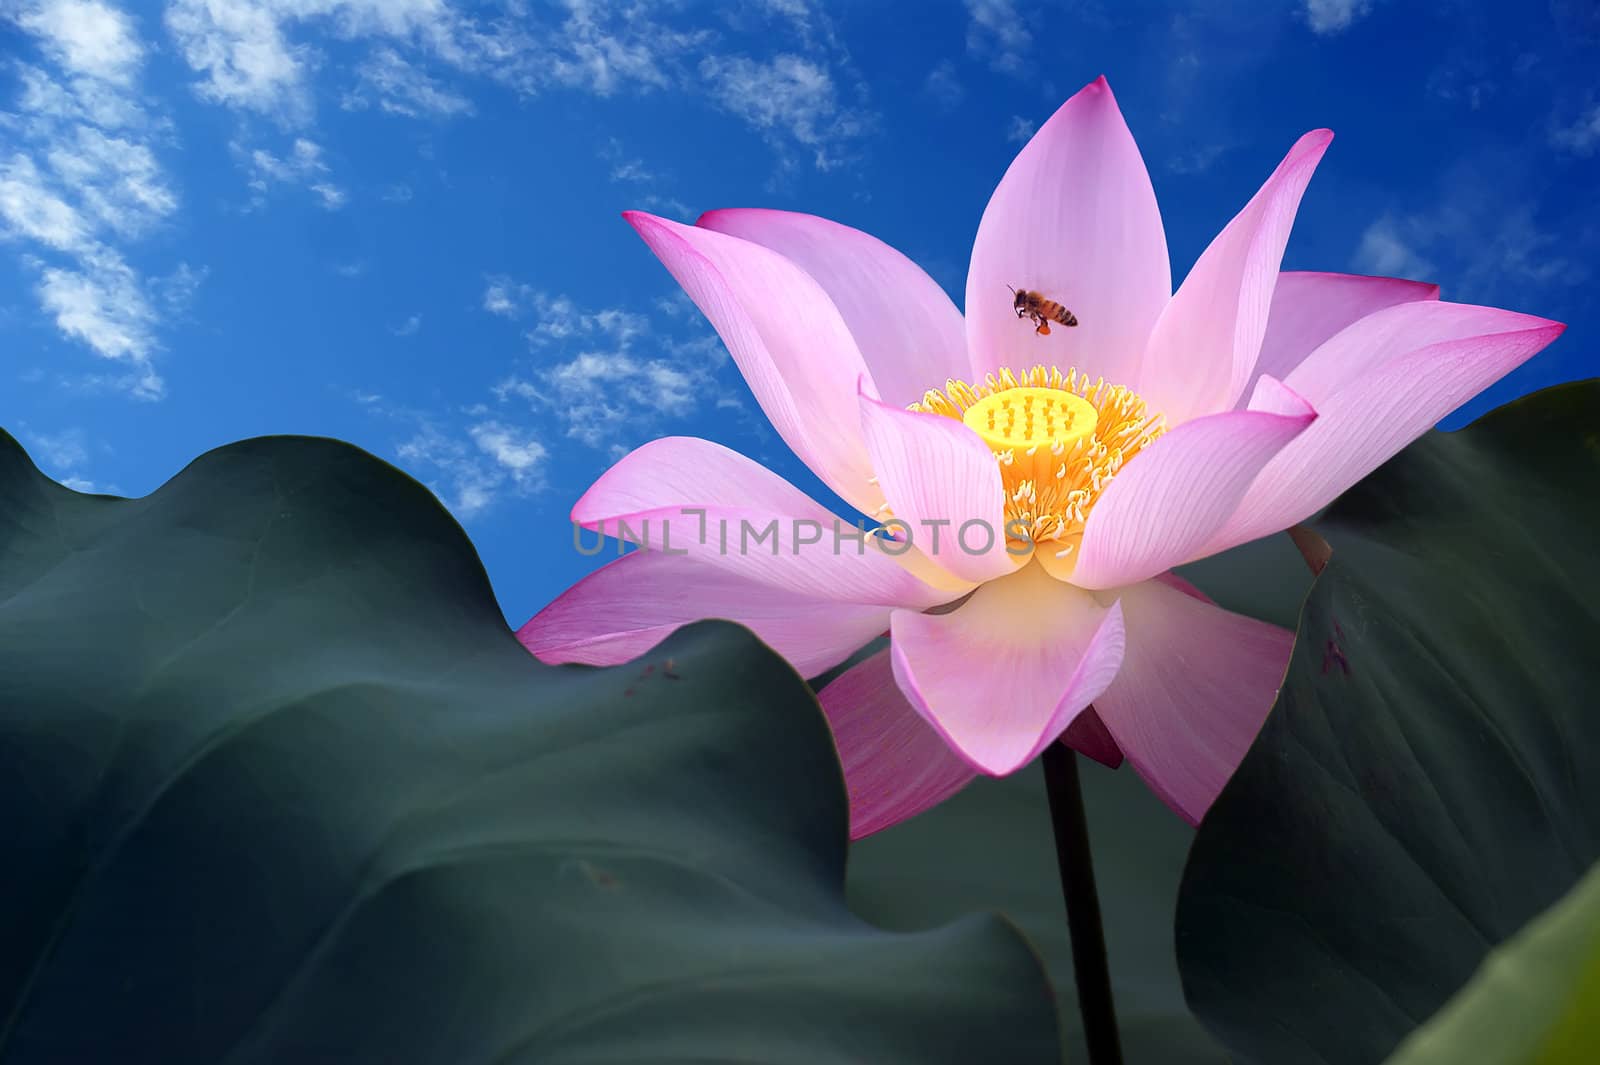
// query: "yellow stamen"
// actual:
[[1059, 439]]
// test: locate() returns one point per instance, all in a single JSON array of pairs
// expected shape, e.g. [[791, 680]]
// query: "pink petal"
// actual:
[[1195, 685], [908, 330], [1203, 349], [788, 340], [1173, 497], [1089, 736], [1006, 672], [1309, 308], [942, 481], [1380, 408], [626, 607], [895, 766], [1381, 337], [1074, 218], [689, 496]]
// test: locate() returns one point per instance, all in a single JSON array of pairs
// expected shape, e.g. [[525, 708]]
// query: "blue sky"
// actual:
[[397, 221]]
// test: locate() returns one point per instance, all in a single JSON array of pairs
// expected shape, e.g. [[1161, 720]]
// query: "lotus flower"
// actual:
[[1160, 429]]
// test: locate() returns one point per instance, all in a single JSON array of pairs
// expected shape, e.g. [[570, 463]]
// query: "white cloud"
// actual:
[[120, 182], [302, 165], [469, 472], [1329, 17], [408, 327], [1582, 136], [64, 455], [517, 453], [246, 60], [65, 450], [504, 297], [615, 378], [1487, 247], [1386, 252], [30, 209], [85, 37], [82, 176], [260, 56], [398, 87], [943, 85], [102, 304], [999, 33], [1019, 129], [789, 94]]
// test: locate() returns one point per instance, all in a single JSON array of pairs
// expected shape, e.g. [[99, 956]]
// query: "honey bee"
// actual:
[[1042, 311]]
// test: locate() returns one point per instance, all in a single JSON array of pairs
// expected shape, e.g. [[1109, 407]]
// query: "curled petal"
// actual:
[[942, 480], [1074, 218], [1196, 683], [626, 607], [1203, 350], [1006, 672], [909, 332], [788, 340], [1309, 308], [1375, 413], [895, 766], [1174, 496], [692, 497]]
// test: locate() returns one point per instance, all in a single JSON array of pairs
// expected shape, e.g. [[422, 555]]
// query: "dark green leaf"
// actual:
[[1429, 779], [1535, 1001], [991, 847], [279, 786]]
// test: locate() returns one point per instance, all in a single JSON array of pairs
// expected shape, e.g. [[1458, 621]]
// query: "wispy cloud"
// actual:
[[999, 33], [259, 57], [626, 170], [470, 470], [65, 456], [610, 376], [1581, 137], [1329, 17], [302, 165], [393, 84], [86, 38], [1482, 247], [1019, 129], [943, 85], [1387, 251], [81, 175], [787, 95], [409, 327]]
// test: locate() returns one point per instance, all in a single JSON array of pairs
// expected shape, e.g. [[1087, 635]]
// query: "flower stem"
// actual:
[[1083, 905]]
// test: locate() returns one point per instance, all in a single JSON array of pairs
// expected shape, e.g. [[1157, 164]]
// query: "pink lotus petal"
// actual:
[[1006, 672], [788, 340], [1089, 736], [685, 495], [1195, 685], [1174, 496], [943, 482], [1383, 336], [1075, 218], [1377, 412], [895, 766], [1309, 308], [626, 607], [1203, 349], [909, 332]]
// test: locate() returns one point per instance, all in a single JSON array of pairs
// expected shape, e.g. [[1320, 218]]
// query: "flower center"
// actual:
[[1059, 439]]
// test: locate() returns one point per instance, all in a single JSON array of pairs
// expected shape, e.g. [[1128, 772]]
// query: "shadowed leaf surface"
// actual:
[[280, 786], [1429, 780], [1535, 1001]]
